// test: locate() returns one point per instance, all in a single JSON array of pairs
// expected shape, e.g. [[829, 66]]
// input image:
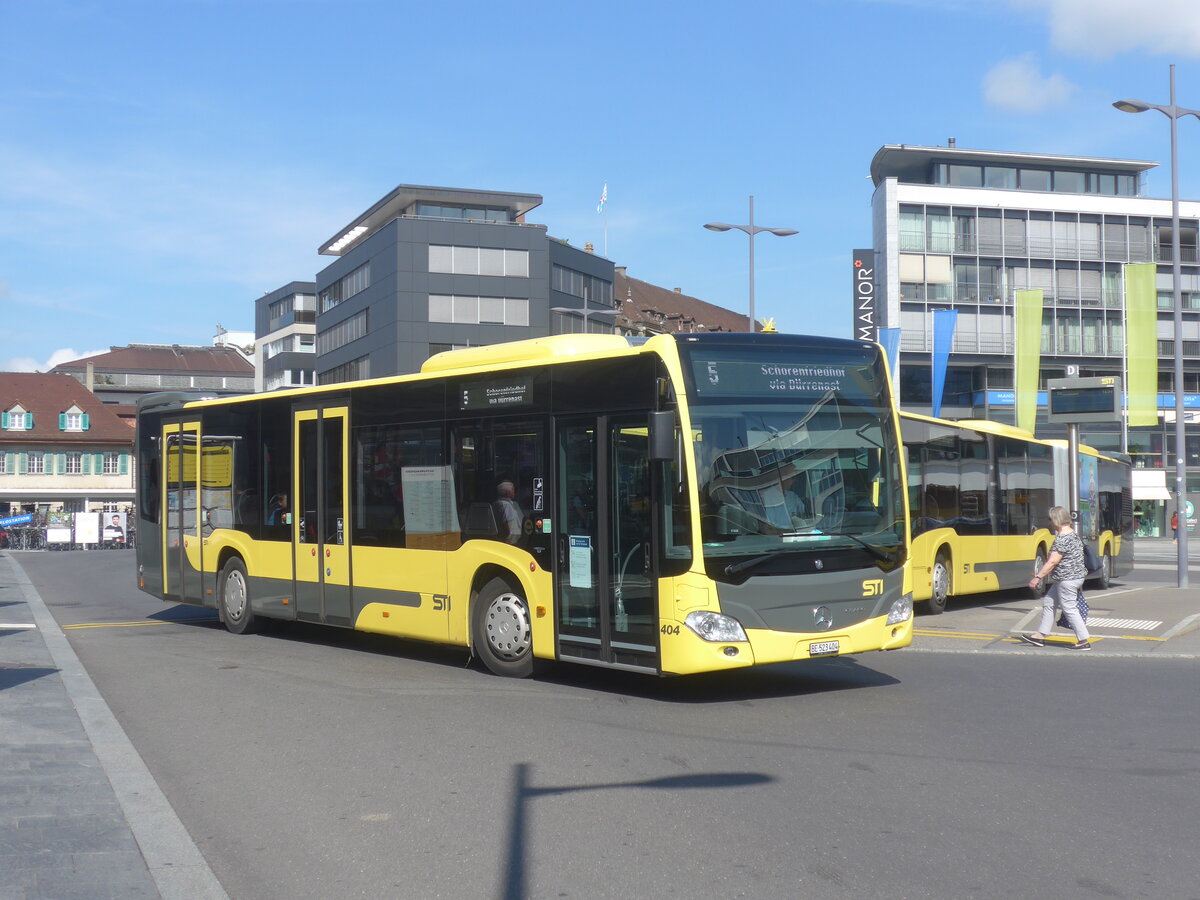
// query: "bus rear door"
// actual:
[[181, 520]]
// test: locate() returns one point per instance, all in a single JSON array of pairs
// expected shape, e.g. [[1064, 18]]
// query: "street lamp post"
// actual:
[[585, 312], [1174, 113], [751, 230]]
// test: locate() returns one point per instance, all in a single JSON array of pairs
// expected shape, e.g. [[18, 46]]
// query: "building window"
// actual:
[[578, 284], [478, 310], [355, 370], [16, 421], [476, 213], [343, 332], [112, 464], [452, 260], [37, 462], [74, 463], [4, 463], [346, 287], [72, 422]]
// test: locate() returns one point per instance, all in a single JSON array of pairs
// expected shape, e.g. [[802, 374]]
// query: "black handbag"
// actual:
[[1091, 561]]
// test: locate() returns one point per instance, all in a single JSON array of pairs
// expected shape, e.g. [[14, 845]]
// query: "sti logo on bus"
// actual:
[[872, 587]]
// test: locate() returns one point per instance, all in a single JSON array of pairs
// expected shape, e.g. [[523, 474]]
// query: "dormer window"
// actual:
[[74, 419], [16, 419]]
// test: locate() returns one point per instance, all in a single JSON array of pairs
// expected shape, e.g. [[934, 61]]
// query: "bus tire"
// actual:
[[936, 604], [500, 630], [1104, 578], [1038, 561], [235, 598]]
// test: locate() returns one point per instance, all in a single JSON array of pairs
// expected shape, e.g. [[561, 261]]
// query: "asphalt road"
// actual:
[[313, 763]]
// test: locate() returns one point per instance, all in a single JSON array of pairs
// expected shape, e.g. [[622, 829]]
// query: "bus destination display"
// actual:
[[755, 378], [496, 394]]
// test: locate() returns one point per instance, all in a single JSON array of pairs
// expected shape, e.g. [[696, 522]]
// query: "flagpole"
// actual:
[[1125, 366]]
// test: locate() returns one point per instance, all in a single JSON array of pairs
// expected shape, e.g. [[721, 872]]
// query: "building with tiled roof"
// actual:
[[649, 309], [124, 374], [61, 447]]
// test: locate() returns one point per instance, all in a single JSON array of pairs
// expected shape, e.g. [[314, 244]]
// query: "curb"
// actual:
[[179, 870]]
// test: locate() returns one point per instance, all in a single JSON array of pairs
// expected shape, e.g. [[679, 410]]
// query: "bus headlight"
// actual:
[[901, 610], [715, 627]]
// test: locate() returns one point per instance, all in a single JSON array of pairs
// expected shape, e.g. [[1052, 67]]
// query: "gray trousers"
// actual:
[[1063, 595]]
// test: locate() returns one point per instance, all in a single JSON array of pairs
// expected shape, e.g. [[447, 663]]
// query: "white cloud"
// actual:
[[66, 354], [1104, 28], [1018, 85]]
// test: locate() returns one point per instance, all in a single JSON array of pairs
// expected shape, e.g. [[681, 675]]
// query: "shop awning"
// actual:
[[1150, 484]]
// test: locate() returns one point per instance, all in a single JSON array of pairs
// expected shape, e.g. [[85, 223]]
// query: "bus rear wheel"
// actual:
[[500, 630], [235, 598], [940, 577], [1103, 578]]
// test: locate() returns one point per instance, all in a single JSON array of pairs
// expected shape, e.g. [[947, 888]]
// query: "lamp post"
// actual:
[[1174, 113], [751, 230]]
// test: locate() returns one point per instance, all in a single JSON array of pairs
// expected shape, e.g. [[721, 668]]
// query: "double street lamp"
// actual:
[[585, 312], [751, 230], [1174, 113]]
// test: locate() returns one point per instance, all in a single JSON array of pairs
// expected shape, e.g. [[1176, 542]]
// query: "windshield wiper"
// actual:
[[879, 554], [754, 562]]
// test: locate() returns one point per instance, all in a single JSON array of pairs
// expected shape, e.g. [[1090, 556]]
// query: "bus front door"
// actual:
[[320, 530], [606, 601], [181, 531]]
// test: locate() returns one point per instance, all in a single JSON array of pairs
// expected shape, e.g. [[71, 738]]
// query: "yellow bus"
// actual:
[[979, 494], [670, 505]]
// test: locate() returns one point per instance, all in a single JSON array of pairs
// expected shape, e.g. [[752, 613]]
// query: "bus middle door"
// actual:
[[320, 529]]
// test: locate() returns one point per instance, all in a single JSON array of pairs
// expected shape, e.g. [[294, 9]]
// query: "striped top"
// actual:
[[1071, 567]]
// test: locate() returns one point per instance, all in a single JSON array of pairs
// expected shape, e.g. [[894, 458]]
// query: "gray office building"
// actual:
[[427, 269]]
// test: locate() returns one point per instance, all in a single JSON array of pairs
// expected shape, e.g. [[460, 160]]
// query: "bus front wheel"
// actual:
[[1039, 561], [235, 597], [500, 630], [936, 604]]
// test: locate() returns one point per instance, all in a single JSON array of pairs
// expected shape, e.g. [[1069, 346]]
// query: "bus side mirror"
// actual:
[[662, 436]]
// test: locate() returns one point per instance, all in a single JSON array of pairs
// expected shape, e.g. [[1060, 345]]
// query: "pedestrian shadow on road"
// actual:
[[13, 674]]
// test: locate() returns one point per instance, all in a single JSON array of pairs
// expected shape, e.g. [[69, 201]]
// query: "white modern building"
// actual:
[[965, 229]]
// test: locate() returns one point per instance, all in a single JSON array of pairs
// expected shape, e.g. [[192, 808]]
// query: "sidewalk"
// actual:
[[81, 817], [1136, 617]]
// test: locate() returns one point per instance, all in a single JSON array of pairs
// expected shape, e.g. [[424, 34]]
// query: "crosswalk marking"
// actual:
[[1137, 624]]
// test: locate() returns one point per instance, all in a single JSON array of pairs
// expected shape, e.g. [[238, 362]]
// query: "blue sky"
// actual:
[[163, 164]]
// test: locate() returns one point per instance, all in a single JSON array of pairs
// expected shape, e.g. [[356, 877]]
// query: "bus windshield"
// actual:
[[796, 452]]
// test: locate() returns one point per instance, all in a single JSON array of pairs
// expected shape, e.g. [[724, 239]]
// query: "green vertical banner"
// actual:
[[1028, 357], [1141, 343]]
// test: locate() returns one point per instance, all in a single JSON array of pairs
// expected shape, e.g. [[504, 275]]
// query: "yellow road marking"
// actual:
[[133, 624]]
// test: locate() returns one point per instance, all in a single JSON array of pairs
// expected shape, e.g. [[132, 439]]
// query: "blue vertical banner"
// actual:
[[944, 321], [889, 339]]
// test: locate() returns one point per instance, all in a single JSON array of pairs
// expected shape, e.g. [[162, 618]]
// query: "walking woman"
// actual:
[[1066, 571]]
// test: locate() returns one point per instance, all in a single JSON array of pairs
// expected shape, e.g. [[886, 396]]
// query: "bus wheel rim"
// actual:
[[507, 627], [941, 582], [235, 596]]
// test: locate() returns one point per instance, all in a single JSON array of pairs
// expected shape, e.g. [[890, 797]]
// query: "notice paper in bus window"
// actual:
[[429, 506], [580, 560]]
